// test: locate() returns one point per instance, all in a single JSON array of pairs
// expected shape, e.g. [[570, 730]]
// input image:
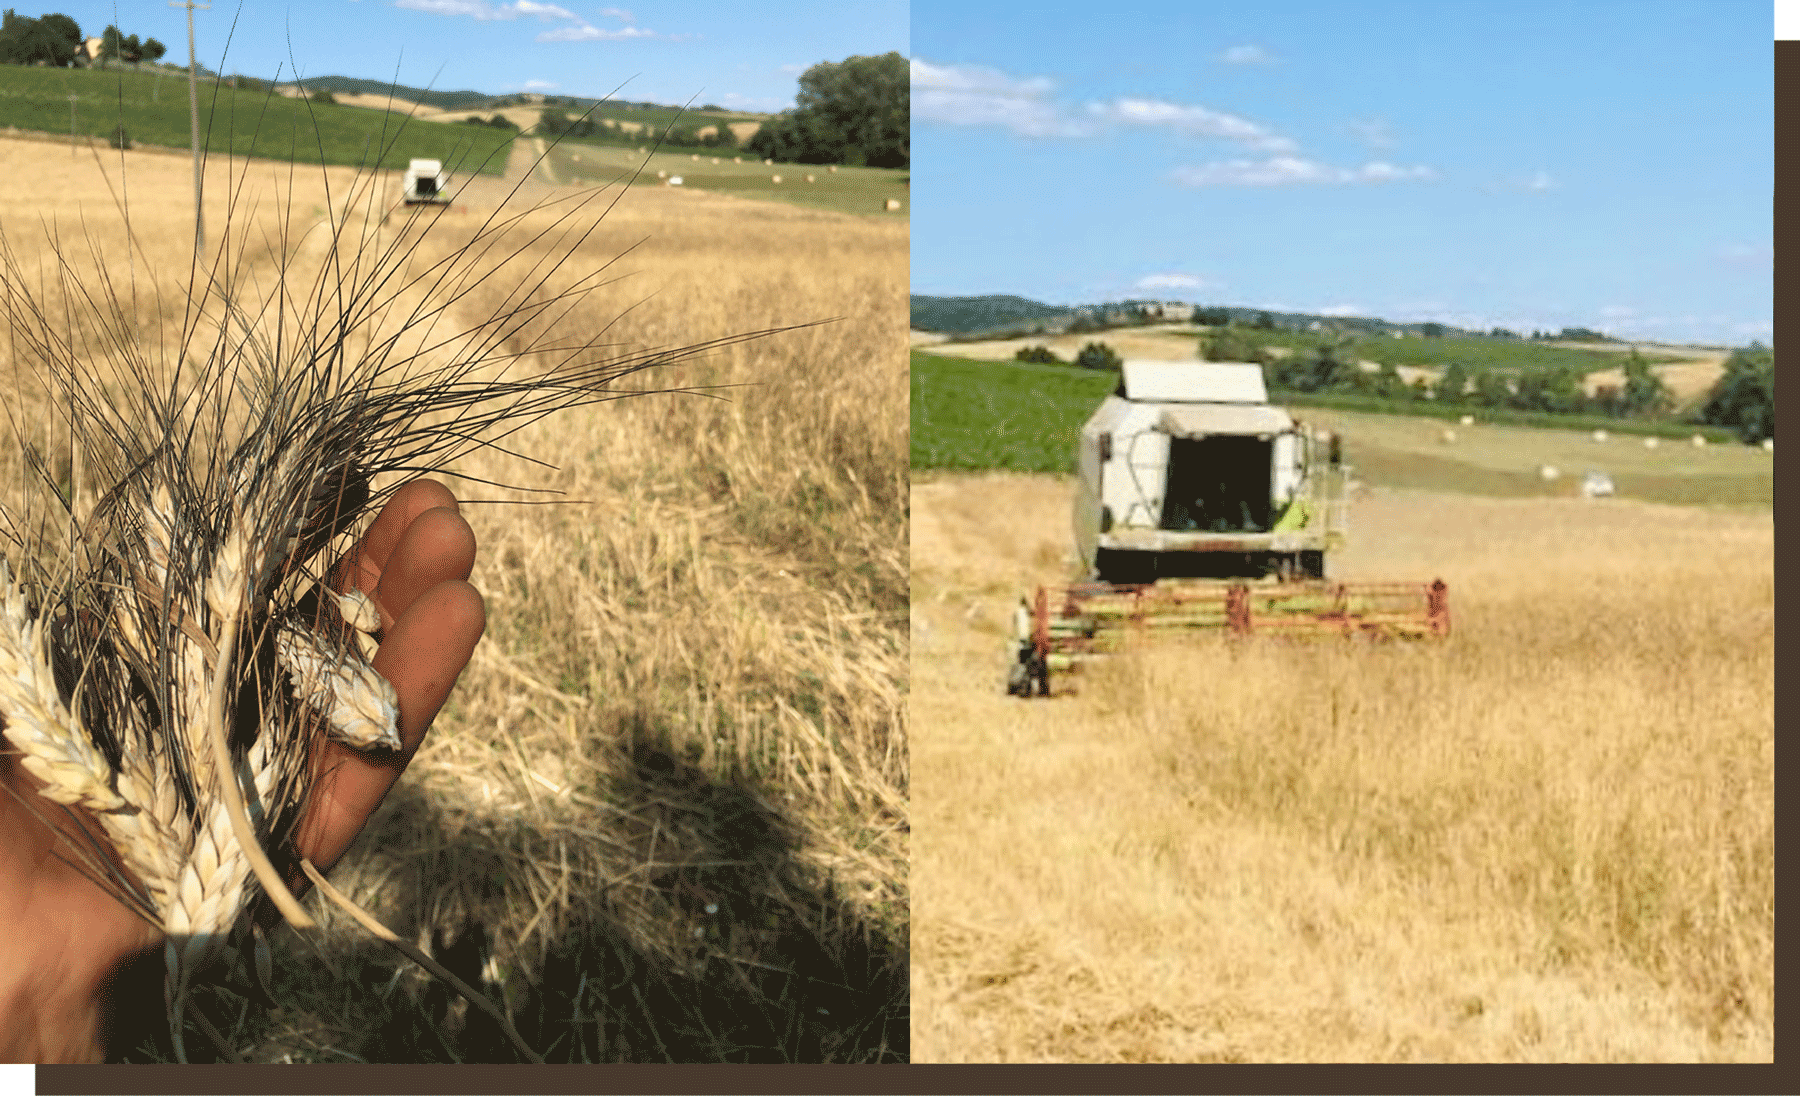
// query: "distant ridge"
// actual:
[[1004, 316], [357, 86], [958, 315]]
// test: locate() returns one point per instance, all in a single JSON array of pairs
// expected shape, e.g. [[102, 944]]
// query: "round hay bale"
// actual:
[[1599, 435], [662, 173], [809, 179], [1467, 420], [768, 161], [893, 205], [775, 178], [695, 157], [1448, 435], [737, 161], [1549, 473], [1699, 441], [832, 169], [715, 161], [1769, 444], [1650, 443]]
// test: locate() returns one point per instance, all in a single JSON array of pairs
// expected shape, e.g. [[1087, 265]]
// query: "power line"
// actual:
[[194, 122]]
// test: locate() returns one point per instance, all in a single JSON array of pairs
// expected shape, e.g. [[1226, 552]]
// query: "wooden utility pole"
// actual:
[[194, 122]]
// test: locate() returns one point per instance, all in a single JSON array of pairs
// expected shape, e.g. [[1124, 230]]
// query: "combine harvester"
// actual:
[[1201, 506]]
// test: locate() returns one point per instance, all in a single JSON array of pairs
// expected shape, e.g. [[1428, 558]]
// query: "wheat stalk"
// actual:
[[165, 665]]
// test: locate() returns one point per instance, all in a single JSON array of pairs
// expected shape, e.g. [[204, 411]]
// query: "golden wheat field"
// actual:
[[665, 814], [1549, 838]]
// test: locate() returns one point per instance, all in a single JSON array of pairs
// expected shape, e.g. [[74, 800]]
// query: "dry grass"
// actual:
[[665, 814], [1550, 839]]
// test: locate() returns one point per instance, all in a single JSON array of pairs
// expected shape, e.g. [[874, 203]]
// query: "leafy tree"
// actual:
[[855, 113], [553, 123], [1491, 389], [1432, 331], [154, 50], [48, 41], [1645, 393], [1098, 356], [1330, 367], [1387, 382], [1212, 317], [1039, 354], [1264, 322], [1744, 396], [1231, 345], [1453, 383]]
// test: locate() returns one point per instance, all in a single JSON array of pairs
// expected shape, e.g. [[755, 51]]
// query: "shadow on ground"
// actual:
[[768, 968]]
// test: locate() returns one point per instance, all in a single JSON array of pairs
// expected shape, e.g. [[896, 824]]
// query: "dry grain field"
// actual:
[[664, 815], [1547, 839]]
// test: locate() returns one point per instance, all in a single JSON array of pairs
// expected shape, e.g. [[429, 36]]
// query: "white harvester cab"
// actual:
[[425, 182], [1188, 471]]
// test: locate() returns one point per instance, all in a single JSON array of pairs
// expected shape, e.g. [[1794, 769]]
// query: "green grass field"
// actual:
[[972, 415], [855, 189], [153, 108], [969, 415]]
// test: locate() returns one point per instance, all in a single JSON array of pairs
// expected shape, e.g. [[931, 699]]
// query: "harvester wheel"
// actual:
[[1312, 564], [1029, 674], [1018, 681]]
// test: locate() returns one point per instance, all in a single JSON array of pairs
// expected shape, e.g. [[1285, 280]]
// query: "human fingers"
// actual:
[[362, 568], [422, 655]]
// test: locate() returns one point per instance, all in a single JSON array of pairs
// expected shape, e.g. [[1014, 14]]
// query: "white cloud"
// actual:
[[486, 12], [1341, 310], [576, 28], [1172, 281], [1190, 120], [1246, 56], [1294, 170], [1540, 182], [536, 85], [976, 96], [585, 33], [543, 11]]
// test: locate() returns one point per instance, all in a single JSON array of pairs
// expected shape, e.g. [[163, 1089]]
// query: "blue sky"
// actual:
[[737, 55], [1526, 165]]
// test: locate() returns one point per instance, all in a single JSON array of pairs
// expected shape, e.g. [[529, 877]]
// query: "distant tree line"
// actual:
[[557, 124], [857, 112], [496, 120], [1742, 399], [1093, 356], [55, 40]]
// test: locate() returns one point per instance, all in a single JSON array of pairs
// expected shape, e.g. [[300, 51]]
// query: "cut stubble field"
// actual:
[[667, 804], [1549, 838]]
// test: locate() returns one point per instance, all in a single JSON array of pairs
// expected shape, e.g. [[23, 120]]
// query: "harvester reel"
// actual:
[[1069, 625]]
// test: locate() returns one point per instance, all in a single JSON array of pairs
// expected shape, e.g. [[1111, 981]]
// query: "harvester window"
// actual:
[[1218, 484]]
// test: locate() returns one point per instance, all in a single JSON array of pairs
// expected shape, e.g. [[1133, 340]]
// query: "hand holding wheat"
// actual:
[[66, 935]]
